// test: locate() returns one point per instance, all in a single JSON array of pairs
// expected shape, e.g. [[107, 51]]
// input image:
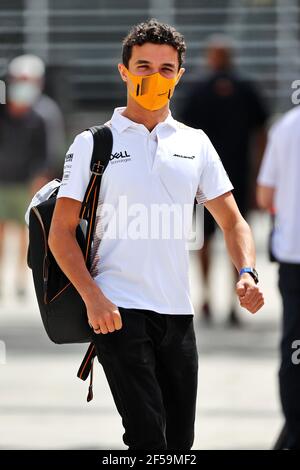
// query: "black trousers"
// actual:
[[151, 366], [289, 373]]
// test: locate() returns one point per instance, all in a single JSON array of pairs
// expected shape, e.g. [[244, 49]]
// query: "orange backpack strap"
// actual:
[[86, 368]]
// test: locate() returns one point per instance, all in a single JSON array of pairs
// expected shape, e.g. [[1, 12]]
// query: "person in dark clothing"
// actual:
[[28, 74], [230, 111], [22, 161], [22, 146]]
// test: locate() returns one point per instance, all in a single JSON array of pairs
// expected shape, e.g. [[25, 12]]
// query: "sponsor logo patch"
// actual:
[[69, 157], [122, 156], [191, 157]]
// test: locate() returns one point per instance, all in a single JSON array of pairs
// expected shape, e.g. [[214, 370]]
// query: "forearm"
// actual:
[[72, 263], [240, 244]]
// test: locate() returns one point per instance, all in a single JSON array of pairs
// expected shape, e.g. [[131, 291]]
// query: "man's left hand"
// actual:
[[249, 295]]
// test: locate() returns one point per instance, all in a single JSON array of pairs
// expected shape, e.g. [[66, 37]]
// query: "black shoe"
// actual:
[[233, 320]]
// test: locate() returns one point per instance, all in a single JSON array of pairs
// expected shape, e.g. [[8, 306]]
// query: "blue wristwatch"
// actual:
[[252, 273]]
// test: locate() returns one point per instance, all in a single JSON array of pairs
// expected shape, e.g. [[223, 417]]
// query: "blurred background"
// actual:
[[42, 403]]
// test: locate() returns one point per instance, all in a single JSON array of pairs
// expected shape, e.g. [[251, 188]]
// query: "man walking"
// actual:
[[137, 294]]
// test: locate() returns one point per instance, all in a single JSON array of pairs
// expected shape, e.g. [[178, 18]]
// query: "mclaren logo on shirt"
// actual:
[[191, 157], [122, 156]]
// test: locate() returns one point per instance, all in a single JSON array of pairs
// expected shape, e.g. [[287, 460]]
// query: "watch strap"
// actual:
[[250, 271]]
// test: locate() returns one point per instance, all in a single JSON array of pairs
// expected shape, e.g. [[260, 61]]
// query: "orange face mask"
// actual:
[[151, 91]]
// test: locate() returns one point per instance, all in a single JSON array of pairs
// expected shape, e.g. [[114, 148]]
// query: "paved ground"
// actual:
[[42, 403]]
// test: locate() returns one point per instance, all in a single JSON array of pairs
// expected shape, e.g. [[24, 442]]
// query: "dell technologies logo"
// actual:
[[122, 156]]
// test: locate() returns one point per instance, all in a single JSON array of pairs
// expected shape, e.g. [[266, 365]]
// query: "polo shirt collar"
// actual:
[[121, 123]]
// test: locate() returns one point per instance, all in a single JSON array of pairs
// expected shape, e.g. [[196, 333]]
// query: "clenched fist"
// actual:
[[249, 295]]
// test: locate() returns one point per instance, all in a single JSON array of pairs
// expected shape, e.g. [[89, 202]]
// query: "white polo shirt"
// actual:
[[280, 170], [145, 209]]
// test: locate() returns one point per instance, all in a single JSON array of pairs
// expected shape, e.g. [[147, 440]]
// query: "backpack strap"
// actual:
[[86, 368], [102, 148], [103, 142]]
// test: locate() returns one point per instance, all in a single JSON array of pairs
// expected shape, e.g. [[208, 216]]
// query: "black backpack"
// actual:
[[62, 309]]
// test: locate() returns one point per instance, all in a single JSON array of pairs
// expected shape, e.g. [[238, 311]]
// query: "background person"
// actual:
[[231, 112], [279, 191], [27, 72], [22, 162]]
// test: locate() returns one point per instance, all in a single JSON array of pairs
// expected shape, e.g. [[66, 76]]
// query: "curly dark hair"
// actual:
[[155, 32]]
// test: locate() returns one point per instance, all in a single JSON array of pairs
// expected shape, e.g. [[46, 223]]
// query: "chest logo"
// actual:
[[119, 155], [190, 157]]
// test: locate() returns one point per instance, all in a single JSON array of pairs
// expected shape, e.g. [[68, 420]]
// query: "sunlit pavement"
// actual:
[[43, 403]]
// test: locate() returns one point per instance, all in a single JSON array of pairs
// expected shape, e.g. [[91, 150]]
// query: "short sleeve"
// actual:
[[76, 173], [268, 171], [213, 181]]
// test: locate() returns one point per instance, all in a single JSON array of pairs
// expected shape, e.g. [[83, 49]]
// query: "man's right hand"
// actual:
[[104, 316]]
